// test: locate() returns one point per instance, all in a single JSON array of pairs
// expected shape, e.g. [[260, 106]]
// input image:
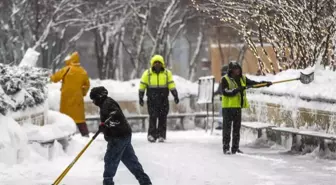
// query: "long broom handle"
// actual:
[[58, 180], [282, 81]]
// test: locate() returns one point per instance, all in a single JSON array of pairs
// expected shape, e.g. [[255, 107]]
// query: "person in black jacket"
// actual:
[[233, 100], [117, 133]]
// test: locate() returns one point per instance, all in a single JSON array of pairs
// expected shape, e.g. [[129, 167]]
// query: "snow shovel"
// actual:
[[304, 78], [59, 178]]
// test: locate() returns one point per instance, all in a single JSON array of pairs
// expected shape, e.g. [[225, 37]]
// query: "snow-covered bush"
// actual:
[[22, 87]]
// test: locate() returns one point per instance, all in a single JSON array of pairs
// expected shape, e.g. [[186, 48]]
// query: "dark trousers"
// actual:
[[121, 149], [231, 116], [158, 109], [82, 127], [161, 129]]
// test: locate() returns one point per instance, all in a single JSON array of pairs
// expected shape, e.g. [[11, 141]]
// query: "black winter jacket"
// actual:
[[122, 127]]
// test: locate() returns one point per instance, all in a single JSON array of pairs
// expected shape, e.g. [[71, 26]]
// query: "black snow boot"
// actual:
[[151, 139], [237, 151], [226, 151], [219, 128]]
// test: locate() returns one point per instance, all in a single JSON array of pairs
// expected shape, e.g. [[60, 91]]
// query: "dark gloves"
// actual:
[[141, 102], [176, 99], [141, 95], [266, 82], [239, 89], [108, 122], [107, 125], [101, 127]]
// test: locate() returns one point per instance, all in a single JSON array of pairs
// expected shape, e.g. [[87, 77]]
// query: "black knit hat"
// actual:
[[98, 93], [232, 66], [224, 70]]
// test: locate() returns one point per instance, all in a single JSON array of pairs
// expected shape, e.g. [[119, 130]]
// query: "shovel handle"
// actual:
[[282, 81], [276, 82]]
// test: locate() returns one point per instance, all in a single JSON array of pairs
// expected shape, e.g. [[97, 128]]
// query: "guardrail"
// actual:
[[181, 117]]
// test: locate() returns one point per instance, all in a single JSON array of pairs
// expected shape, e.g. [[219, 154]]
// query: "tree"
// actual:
[[126, 34], [154, 28], [106, 20], [37, 24], [300, 32]]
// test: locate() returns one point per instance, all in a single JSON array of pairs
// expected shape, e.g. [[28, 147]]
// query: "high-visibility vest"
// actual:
[[235, 101], [152, 80]]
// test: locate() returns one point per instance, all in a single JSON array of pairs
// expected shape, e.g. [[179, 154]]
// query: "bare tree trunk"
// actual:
[[101, 65], [158, 45], [241, 55], [121, 56], [192, 63], [219, 43]]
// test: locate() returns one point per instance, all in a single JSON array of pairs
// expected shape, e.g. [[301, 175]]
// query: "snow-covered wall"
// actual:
[[321, 89], [59, 125], [281, 104]]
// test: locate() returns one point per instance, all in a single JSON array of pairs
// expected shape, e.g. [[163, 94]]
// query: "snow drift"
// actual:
[[59, 125], [320, 88], [121, 90], [14, 138], [13, 141]]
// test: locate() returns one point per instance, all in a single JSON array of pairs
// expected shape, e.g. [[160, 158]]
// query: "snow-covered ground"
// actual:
[[187, 158]]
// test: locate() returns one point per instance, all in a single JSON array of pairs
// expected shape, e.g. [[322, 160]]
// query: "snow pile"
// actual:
[[129, 90], [320, 88], [59, 125], [13, 141], [122, 90], [22, 87], [14, 138], [287, 92]]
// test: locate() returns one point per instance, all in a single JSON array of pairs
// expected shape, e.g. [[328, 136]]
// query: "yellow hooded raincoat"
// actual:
[[75, 85]]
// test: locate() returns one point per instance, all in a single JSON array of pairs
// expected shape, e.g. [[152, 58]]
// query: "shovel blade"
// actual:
[[306, 78]]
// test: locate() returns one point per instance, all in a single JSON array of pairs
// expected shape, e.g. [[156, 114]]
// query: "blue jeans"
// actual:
[[121, 149]]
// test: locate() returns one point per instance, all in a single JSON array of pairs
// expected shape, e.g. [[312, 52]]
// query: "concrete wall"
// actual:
[[263, 112], [37, 115], [298, 118], [278, 115], [35, 118]]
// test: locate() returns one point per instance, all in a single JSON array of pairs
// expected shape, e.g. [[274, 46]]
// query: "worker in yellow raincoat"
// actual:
[[75, 85]]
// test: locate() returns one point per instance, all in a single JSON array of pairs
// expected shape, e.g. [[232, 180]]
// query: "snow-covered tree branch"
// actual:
[[300, 32], [37, 24], [125, 34]]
